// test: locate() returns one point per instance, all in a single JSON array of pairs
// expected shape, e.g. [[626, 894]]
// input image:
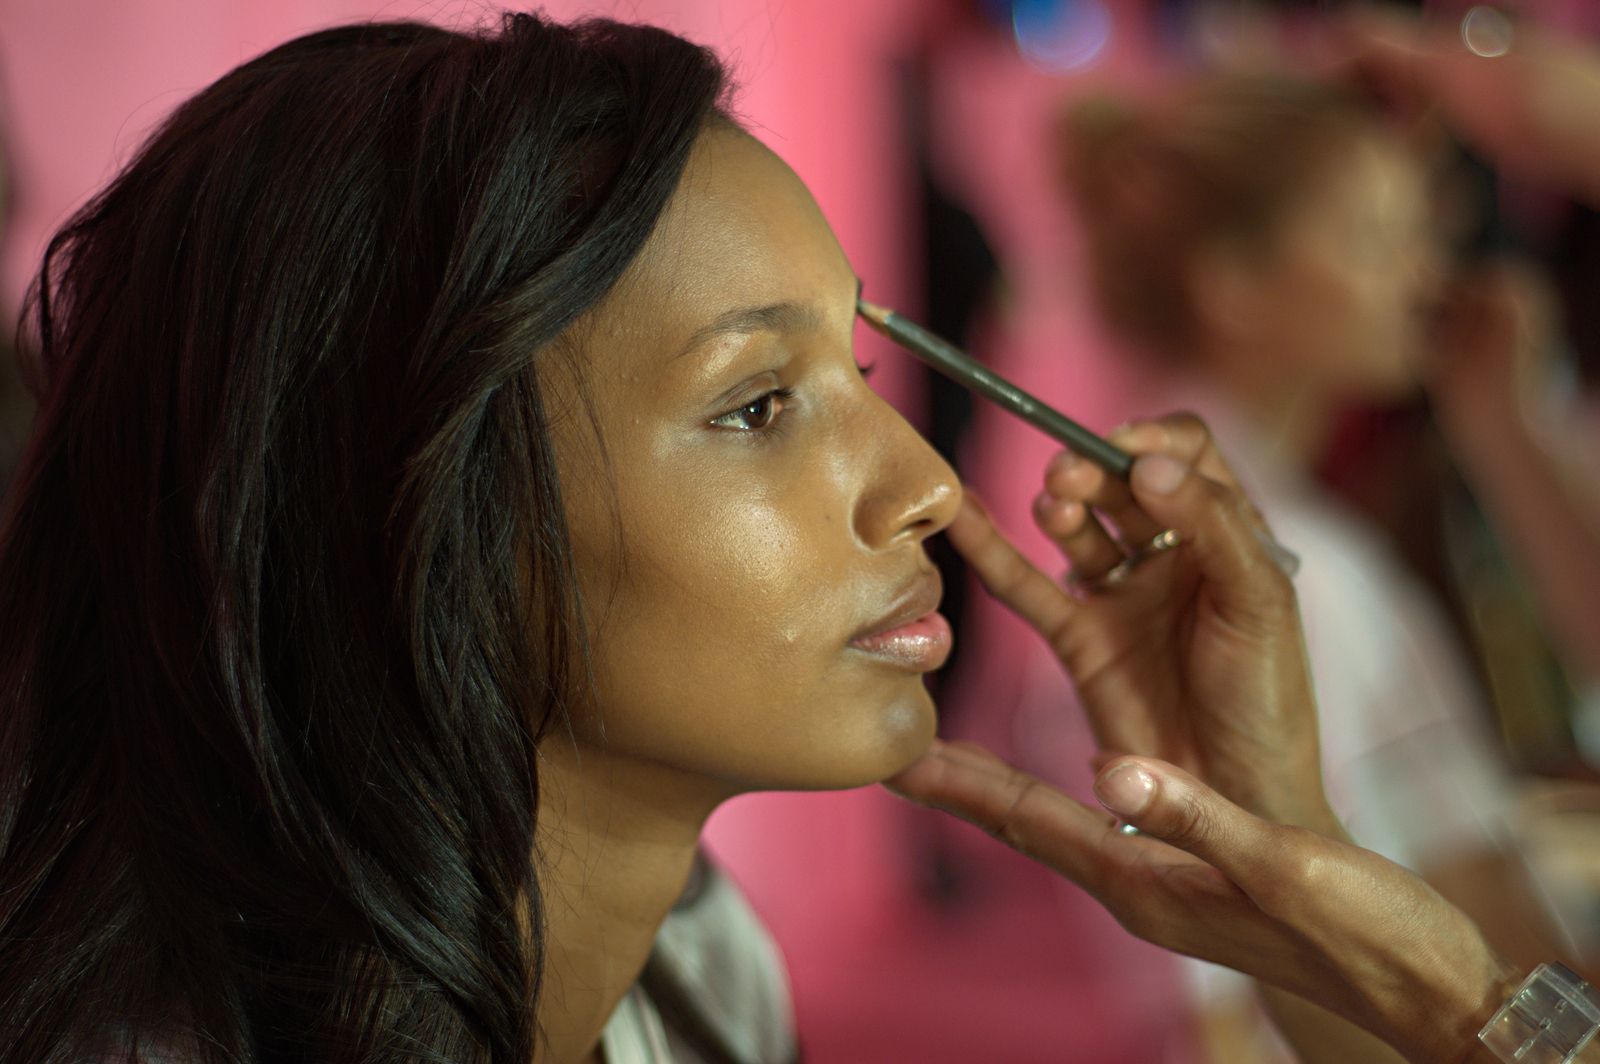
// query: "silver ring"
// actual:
[[1164, 540]]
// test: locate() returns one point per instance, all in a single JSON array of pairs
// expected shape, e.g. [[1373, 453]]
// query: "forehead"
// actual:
[[741, 230]]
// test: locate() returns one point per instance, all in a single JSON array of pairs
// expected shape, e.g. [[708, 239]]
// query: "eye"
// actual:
[[756, 415]]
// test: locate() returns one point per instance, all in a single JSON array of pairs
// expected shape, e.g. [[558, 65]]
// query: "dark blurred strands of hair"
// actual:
[[285, 592]]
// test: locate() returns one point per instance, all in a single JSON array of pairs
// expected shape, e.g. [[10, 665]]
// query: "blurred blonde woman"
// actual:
[[1265, 247]]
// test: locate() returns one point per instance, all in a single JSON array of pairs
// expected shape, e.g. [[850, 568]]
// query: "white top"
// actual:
[[1409, 762], [717, 951]]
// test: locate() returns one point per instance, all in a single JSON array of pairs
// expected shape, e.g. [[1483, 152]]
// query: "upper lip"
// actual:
[[916, 599]]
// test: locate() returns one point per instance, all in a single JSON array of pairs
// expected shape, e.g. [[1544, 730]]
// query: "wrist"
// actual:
[[1441, 996], [1463, 1034]]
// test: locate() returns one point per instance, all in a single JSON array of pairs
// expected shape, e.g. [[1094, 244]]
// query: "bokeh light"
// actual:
[[1060, 35]]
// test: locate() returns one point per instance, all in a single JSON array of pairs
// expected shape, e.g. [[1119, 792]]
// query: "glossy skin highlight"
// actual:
[[758, 509]]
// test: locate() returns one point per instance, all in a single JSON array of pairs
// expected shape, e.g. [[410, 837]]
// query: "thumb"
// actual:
[[1167, 803], [1222, 533]]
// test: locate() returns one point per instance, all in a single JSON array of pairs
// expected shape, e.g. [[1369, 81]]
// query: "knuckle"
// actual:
[[1188, 429], [1007, 572], [1188, 822], [1011, 826], [1138, 922], [1280, 598], [1302, 872]]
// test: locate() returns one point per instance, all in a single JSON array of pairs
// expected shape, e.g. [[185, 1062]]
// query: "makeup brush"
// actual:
[[974, 376]]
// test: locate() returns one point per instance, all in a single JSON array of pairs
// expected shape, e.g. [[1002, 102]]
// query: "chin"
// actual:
[[905, 728], [878, 742]]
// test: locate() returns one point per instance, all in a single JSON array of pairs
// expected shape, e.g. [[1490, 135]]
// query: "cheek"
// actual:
[[698, 565], [1340, 315], [719, 644]]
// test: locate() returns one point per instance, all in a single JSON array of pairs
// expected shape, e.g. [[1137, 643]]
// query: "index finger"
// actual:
[[1009, 576], [1025, 813]]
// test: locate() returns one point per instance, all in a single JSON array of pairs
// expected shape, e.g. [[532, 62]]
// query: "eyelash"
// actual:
[[778, 396]]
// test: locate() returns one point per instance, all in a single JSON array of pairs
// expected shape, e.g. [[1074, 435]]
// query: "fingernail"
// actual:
[[1126, 790], [1158, 474]]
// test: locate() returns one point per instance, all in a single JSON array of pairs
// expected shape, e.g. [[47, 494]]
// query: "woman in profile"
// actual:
[[319, 633], [452, 481]]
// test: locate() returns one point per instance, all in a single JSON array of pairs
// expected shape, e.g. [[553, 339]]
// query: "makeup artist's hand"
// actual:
[[1315, 916], [1526, 458], [1197, 657], [1492, 351], [1534, 109]]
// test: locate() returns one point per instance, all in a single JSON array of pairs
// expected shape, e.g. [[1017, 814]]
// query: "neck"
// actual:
[[617, 844]]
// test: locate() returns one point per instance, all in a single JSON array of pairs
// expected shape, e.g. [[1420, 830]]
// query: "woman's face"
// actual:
[[757, 522], [1345, 298]]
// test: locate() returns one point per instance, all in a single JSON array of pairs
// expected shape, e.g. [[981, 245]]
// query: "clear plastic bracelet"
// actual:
[[1547, 1021]]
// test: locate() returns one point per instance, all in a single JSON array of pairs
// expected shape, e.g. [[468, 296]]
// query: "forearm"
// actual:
[[1431, 1036], [1425, 1014], [1317, 1036], [1544, 518]]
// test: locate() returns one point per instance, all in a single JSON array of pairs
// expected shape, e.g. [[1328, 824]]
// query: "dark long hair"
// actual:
[[286, 599]]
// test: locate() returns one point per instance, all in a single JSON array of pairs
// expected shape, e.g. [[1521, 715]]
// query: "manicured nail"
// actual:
[[1158, 474], [1126, 790]]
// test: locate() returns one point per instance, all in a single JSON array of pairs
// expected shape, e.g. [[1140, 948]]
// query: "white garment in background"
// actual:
[[1409, 763]]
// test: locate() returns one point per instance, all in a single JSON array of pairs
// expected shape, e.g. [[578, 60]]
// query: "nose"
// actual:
[[910, 493]]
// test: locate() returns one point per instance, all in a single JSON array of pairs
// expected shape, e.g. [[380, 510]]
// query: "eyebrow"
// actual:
[[774, 317]]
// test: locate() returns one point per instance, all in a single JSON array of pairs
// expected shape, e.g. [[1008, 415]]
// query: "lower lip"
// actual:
[[921, 646]]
